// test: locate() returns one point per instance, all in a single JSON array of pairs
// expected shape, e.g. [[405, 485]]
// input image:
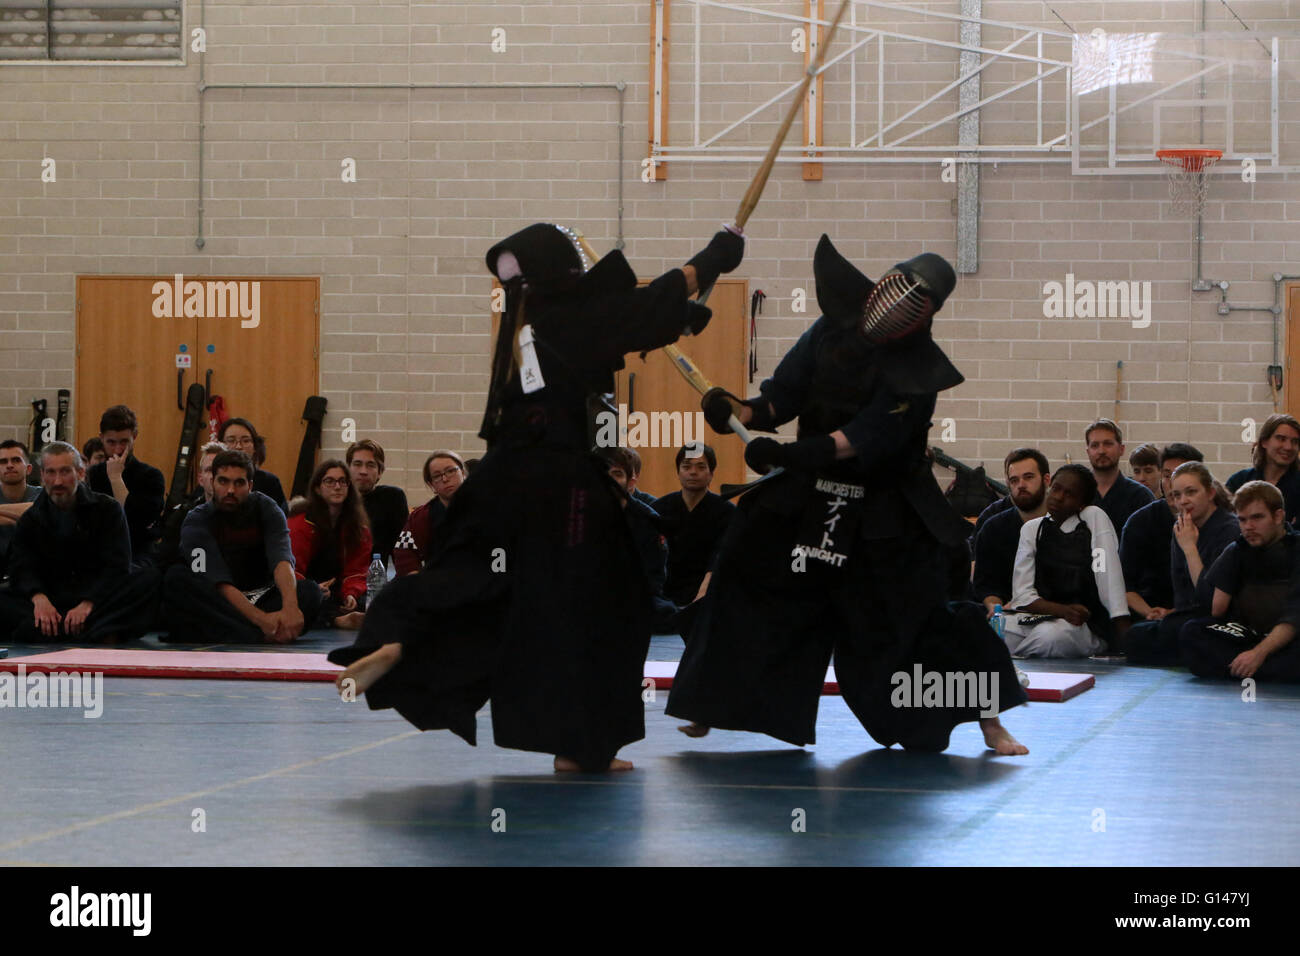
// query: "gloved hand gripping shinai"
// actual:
[[723, 253], [807, 454], [719, 405]]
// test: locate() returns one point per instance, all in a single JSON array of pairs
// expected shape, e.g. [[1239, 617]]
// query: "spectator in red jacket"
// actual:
[[443, 473], [331, 544]]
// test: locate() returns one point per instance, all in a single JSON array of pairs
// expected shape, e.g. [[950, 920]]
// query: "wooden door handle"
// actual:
[[180, 389], [631, 392]]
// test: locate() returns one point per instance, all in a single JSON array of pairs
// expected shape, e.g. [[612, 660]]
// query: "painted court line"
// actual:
[[145, 808], [973, 823]]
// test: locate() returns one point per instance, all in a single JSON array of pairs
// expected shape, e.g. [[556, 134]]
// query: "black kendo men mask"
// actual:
[[894, 314], [548, 257]]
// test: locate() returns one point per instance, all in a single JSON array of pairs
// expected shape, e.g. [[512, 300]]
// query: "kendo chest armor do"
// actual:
[[1063, 572], [843, 380]]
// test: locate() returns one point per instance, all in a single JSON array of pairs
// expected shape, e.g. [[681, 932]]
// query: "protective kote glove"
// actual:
[[809, 454], [697, 317], [719, 405], [723, 253]]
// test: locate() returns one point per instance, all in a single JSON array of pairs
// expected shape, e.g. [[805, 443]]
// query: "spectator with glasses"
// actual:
[[444, 471], [385, 505], [331, 545], [238, 434]]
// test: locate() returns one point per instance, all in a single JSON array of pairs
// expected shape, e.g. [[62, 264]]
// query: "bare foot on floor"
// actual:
[[351, 621], [693, 730], [999, 739], [361, 675], [568, 765]]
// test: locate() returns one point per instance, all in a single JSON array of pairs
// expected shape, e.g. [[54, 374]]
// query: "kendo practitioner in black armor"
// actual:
[[534, 595], [846, 552]]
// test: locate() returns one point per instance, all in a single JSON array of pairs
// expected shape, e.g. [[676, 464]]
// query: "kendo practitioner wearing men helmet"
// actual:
[[845, 552], [536, 597]]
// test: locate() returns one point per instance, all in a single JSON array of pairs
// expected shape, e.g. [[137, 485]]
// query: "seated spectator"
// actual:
[[647, 535], [16, 495], [1117, 495], [444, 472], [70, 563], [1144, 460], [331, 545], [240, 588], [1256, 603], [997, 542], [140, 489], [1005, 503], [174, 520], [695, 519], [385, 504], [1067, 584], [1145, 539], [203, 487], [1274, 459], [1203, 527], [92, 453], [635, 484], [238, 434]]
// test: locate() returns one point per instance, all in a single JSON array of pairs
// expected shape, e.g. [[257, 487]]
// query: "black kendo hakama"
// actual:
[[535, 597], [849, 560]]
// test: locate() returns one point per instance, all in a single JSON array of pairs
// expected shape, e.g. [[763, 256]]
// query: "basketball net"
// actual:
[[1188, 173]]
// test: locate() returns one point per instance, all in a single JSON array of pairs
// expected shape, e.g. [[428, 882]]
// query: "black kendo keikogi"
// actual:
[[534, 595], [846, 556]]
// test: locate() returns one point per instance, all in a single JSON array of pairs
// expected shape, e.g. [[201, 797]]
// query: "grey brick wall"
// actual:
[[442, 173]]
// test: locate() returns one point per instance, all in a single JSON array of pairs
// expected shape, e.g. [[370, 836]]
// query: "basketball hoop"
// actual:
[[1188, 172]]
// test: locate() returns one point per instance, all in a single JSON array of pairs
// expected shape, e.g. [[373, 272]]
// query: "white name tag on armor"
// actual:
[[530, 373]]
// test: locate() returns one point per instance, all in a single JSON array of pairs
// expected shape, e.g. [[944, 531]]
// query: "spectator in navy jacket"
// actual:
[[1144, 543], [140, 489], [1203, 527], [1117, 495]]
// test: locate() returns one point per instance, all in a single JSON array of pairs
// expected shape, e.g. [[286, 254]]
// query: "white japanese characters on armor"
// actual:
[[837, 498], [530, 372]]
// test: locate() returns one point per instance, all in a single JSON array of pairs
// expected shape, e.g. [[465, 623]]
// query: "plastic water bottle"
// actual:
[[999, 621], [376, 578]]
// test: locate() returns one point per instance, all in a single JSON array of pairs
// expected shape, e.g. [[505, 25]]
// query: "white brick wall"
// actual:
[[443, 173]]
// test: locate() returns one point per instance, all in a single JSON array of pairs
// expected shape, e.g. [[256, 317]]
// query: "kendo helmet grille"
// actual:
[[898, 306]]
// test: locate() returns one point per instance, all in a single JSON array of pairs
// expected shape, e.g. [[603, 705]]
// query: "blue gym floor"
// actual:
[[1151, 768]]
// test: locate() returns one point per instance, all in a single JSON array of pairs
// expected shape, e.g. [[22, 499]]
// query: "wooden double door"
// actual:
[[129, 354]]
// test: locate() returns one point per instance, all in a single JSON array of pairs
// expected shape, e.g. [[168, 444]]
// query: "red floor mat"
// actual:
[[270, 665]]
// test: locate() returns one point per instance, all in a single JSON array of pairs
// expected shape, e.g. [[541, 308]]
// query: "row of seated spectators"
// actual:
[[1172, 568], [92, 554]]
